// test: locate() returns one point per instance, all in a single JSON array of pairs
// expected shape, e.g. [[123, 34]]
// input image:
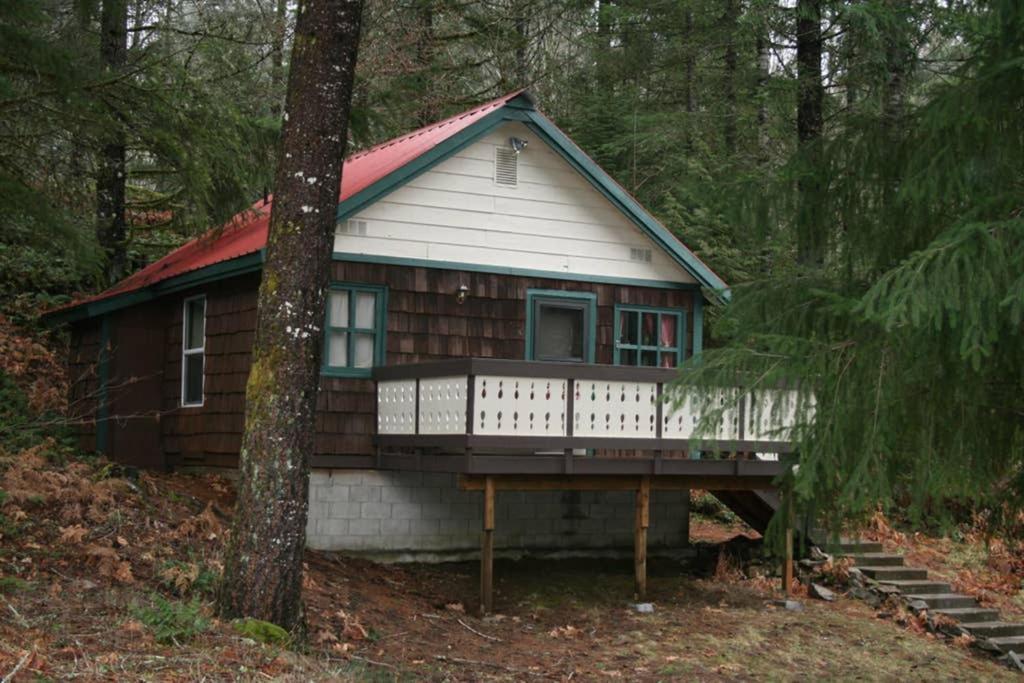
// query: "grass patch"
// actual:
[[263, 632], [12, 584], [172, 622]]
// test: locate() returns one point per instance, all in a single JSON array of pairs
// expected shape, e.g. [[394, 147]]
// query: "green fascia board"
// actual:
[[218, 271], [506, 270], [597, 177]]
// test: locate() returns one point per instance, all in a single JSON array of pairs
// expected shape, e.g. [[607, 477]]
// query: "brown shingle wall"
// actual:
[[424, 323], [83, 398]]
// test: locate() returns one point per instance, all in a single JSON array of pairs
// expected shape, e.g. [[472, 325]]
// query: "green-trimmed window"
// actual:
[[652, 337], [354, 329], [560, 326]]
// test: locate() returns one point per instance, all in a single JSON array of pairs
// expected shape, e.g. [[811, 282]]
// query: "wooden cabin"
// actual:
[[502, 316]]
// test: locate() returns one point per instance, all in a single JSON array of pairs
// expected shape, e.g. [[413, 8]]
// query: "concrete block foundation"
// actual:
[[421, 516]]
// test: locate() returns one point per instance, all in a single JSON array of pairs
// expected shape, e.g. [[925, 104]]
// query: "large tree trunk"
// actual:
[[263, 566], [110, 172], [811, 231]]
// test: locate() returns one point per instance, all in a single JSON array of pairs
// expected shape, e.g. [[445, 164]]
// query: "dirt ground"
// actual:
[[88, 558]]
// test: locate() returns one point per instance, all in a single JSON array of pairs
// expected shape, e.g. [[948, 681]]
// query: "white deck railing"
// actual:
[[560, 405]]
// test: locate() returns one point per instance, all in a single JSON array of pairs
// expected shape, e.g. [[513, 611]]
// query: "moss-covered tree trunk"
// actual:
[[263, 566]]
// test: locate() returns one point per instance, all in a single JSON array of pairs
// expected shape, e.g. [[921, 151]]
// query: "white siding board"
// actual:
[[553, 220]]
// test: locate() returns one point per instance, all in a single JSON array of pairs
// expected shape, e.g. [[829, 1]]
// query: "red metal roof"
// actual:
[[246, 233]]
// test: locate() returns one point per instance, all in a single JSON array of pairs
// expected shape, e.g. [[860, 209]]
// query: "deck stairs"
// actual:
[[757, 507], [915, 585]]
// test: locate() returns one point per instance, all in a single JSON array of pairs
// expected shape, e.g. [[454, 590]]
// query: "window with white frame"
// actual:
[[193, 350]]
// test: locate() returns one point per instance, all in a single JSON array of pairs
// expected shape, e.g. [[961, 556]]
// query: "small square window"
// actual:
[[354, 337], [652, 337]]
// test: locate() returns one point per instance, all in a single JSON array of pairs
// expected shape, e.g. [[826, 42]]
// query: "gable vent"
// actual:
[[506, 167], [638, 254], [352, 227]]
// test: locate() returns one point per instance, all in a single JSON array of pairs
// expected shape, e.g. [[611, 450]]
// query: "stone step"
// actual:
[[1014, 643], [944, 601], [845, 545], [969, 615], [877, 559], [919, 587], [995, 629], [895, 573]]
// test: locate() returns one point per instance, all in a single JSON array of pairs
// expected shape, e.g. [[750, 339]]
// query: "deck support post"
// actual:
[[642, 521], [787, 562], [487, 550]]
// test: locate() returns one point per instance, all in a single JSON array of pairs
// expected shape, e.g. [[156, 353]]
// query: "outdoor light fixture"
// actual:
[[517, 144], [461, 293]]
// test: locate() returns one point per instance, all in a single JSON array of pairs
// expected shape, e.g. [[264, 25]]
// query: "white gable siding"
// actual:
[[553, 220]]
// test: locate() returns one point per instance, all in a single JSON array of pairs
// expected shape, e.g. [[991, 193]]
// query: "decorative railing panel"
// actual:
[[519, 406], [442, 406], [396, 407], [622, 409]]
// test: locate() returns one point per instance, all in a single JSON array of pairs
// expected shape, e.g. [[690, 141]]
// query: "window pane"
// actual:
[[628, 327], [363, 350], [559, 333], [338, 310], [337, 349], [193, 389], [195, 324], [366, 304], [668, 359], [648, 329], [649, 358], [627, 357], [668, 330]]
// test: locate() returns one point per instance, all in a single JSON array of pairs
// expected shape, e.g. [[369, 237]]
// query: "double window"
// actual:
[[652, 337], [560, 326], [193, 350], [354, 330]]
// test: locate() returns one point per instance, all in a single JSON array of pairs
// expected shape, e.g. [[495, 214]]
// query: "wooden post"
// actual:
[[487, 550], [787, 566], [642, 521]]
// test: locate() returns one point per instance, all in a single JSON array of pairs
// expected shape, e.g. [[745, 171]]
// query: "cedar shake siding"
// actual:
[[424, 323]]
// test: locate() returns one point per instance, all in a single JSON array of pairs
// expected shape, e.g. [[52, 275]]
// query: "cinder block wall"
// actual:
[[416, 516]]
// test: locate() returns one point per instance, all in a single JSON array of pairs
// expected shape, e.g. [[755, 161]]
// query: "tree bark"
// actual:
[[810, 123], [263, 564], [111, 229]]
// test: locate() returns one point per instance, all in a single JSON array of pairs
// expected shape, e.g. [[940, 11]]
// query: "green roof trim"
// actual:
[[622, 200], [510, 270], [241, 265]]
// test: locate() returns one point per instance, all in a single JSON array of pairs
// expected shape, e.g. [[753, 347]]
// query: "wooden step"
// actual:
[[1010, 643], [944, 601], [918, 587], [969, 615], [895, 573], [877, 559], [995, 629]]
